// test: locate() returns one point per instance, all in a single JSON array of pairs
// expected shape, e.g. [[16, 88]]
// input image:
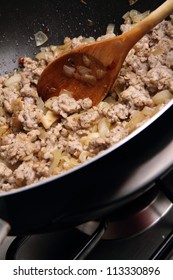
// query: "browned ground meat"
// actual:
[[38, 139]]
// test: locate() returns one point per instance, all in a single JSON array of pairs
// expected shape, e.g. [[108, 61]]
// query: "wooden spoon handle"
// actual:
[[143, 27]]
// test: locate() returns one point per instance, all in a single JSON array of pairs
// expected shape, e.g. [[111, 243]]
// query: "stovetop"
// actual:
[[142, 233], [154, 243]]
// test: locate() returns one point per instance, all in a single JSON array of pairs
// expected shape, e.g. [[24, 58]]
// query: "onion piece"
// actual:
[[132, 2], [44, 55], [100, 73], [13, 80], [41, 104], [40, 38], [162, 97], [158, 50], [110, 28], [69, 162], [136, 121], [86, 60], [135, 16], [103, 127], [87, 78], [3, 129], [83, 70], [86, 139], [56, 159], [68, 70], [48, 119]]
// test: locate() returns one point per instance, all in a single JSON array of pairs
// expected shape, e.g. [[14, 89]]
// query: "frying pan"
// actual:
[[109, 181]]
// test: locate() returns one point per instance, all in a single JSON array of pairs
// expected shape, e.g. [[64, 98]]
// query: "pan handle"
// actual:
[[4, 230]]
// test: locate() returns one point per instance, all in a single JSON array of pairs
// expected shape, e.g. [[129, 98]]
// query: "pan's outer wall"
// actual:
[[106, 184]]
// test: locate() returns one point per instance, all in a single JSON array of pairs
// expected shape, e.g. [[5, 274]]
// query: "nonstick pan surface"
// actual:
[[20, 20], [109, 181]]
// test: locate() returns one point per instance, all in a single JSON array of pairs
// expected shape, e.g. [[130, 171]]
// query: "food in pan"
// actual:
[[39, 140]]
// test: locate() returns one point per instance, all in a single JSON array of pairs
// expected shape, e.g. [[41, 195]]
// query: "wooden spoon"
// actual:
[[90, 70]]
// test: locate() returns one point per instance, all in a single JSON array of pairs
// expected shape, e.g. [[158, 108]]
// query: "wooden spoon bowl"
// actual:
[[90, 70]]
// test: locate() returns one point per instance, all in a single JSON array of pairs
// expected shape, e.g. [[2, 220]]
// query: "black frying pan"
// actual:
[[109, 181]]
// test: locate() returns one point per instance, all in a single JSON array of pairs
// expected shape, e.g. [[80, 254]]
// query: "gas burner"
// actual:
[[133, 220], [141, 230]]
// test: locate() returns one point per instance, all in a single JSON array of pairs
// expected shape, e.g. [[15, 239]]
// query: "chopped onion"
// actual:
[[40, 38], [132, 2], [162, 97], [100, 74], [86, 60], [68, 70], [103, 127], [148, 111], [43, 55], [136, 120], [48, 119], [89, 79], [135, 16], [43, 133], [56, 159], [83, 70], [86, 139], [83, 156], [13, 80], [69, 162], [158, 50], [3, 129], [41, 104], [110, 28]]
